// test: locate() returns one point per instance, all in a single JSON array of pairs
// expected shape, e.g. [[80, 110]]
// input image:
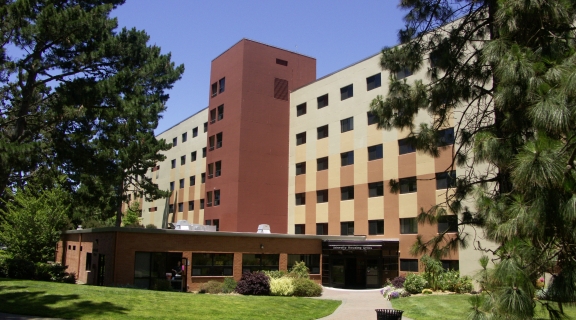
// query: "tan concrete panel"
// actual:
[[401, 134], [407, 165], [374, 135], [299, 214], [322, 212], [442, 195], [408, 205], [375, 171], [347, 175], [322, 147], [361, 164], [311, 212], [201, 216], [334, 171], [300, 153], [424, 163], [361, 209], [347, 141], [390, 160], [347, 210], [322, 179], [300, 184], [334, 211], [444, 161], [376, 208]]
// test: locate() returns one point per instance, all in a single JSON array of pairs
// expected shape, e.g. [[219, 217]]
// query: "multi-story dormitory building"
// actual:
[[277, 146]]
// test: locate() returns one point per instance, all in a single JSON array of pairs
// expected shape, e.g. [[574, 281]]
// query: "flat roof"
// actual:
[[265, 44]]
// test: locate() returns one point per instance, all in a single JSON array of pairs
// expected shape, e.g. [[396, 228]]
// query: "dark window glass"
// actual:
[[212, 115], [448, 224], [300, 199], [371, 118], [171, 208], [347, 124], [406, 146], [195, 132], [190, 205], [214, 89], [218, 168], [181, 183], [300, 168], [376, 227], [403, 73], [347, 228], [408, 226], [450, 265], [300, 229], [373, 82], [321, 196], [216, 198], [321, 229], [212, 264], [174, 142], [408, 185], [347, 158], [204, 152], [282, 62], [346, 92], [312, 261], [322, 132], [220, 112], [192, 180], [209, 198], [219, 140], [347, 193], [193, 156], [322, 164], [445, 180], [181, 207], [446, 137], [173, 163], [409, 265], [88, 261], [185, 137], [205, 126], [222, 85], [182, 160], [375, 152], [376, 189], [260, 262], [322, 101], [216, 223], [201, 203], [171, 185], [301, 138], [203, 177], [301, 109]]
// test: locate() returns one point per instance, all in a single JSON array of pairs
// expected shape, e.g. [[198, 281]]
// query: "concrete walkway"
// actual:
[[356, 304], [8, 316]]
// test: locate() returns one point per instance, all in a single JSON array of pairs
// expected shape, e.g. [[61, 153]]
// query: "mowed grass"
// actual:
[[449, 307], [71, 301]]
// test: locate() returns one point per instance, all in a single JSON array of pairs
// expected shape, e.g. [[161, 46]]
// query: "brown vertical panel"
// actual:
[[191, 192], [334, 211], [300, 184], [310, 212], [407, 165], [443, 162], [391, 212], [322, 180], [375, 170], [347, 176], [361, 209], [180, 194]]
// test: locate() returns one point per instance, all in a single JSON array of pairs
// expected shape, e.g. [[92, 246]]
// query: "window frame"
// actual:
[[347, 193], [300, 228], [409, 265], [375, 83], [378, 188], [347, 228], [322, 132], [375, 152], [301, 109], [322, 101], [301, 138], [322, 164], [216, 268], [347, 92], [448, 224], [408, 225], [408, 185], [346, 124], [323, 227], [405, 146], [300, 168], [376, 227], [322, 196], [347, 158], [300, 199]]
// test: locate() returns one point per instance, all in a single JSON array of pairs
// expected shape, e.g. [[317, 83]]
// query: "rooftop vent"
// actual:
[[184, 225], [263, 228]]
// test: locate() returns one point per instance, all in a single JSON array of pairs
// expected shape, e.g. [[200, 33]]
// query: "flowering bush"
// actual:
[[540, 283], [390, 292], [415, 283], [398, 282], [282, 286], [256, 283]]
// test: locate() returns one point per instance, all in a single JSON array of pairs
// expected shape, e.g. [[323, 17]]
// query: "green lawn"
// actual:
[[446, 307], [90, 302]]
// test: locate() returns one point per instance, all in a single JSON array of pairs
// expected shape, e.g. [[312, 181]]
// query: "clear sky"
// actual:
[[337, 33]]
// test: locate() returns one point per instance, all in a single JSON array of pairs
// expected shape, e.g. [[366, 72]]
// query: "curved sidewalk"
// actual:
[[356, 304]]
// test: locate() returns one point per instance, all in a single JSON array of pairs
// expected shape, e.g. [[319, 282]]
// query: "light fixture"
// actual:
[[261, 246]]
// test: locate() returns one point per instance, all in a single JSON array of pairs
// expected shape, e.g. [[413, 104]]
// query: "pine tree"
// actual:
[[505, 70], [82, 99]]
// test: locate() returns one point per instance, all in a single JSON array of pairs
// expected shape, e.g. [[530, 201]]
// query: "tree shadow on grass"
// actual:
[[40, 303]]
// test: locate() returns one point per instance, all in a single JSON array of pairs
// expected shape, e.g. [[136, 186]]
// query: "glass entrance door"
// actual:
[[373, 279]]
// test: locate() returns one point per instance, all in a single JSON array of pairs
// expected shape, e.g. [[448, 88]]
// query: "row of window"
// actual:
[[192, 180], [218, 87], [222, 264], [412, 265], [193, 157], [217, 114], [191, 205], [376, 227], [185, 134]]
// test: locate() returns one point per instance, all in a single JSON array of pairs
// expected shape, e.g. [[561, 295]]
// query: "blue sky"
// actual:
[[337, 33]]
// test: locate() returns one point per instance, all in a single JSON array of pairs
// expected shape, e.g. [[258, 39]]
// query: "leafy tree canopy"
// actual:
[[80, 98], [505, 71]]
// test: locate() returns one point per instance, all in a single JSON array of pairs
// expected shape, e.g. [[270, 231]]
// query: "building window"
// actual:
[[216, 197], [171, 208], [214, 89], [88, 261], [219, 140], [209, 198], [175, 142], [220, 112], [450, 265], [212, 264], [322, 229], [208, 222], [406, 146], [281, 89], [222, 85], [301, 138], [408, 185], [201, 203], [210, 170], [300, 199], [347, 124], [218, 166], [195, 132], [204, 152], [312, 261], [203, 177], [216, 223], [373, 82], [376, 227], [371, 118], [212, 116], [301, 168], [322, 164], [185, 137], [322, 101], [281, 62], [173, 163], [300, 229], [211, 142], [181, 183], [403, 73], [347, 158], [347, 228], [180, 207], [193, 156], [346, 92], [171, 185], [192, 180], [260, 262], [321, 196], [190, 205], [301, 109], [322, 132], [375, 152], [446, 137], [445, 180], [376, 189], [408, 226], [347, 193], [182, 160], [409, 265], [448, 224]]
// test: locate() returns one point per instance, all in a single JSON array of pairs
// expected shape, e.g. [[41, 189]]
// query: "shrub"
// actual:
[[273, 274], [448, 280], [306, 288], [151, 226], [463, 285], [19, 268], [282, 286], [53, 272], [398, 282], [211, 287], [414, 283], [427, 291], [390, 292], [229, 285], [299, 270], [256, 283]]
